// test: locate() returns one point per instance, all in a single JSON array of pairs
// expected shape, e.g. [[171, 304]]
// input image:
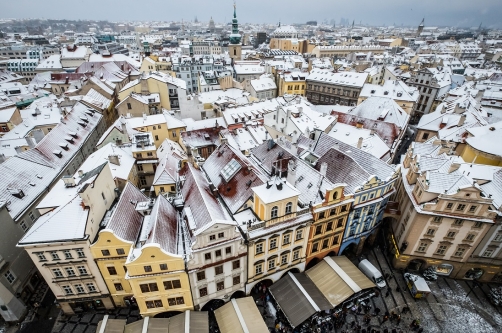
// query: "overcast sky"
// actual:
[[466, 13]]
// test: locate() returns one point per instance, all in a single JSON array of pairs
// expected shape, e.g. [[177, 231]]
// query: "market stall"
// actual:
[[240, 316]]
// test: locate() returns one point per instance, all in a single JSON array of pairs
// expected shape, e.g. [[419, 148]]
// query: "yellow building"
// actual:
[[170, 89], [477, 150], [330, 218], [155, 268], [292, 83], [116, 241], [289, 44], [161, 126]]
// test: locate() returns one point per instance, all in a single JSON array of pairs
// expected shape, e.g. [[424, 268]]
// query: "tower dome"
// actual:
[[235, 37]]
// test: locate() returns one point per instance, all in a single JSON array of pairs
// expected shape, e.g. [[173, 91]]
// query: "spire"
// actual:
[[422, 23], [235, 37], [235, 10]]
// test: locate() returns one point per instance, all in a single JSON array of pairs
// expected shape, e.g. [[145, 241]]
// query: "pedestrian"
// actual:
[[398, 289], [385, 318], [352, 324], [420, 330], [398, 319], [377, 311], [387, 293]]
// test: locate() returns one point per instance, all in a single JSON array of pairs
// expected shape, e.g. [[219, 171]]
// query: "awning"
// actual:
[[298, 297], [240, 316], [186, 322], [111, 325], [338, 279]]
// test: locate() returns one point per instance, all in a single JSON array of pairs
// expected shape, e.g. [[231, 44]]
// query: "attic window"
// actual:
[[63, 145], [83, 124], [73, 134], [58, 153], [230, 169], [18, 193], [40, 176], [69, 139]]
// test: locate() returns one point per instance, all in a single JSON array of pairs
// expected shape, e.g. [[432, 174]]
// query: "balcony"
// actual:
[[273, 221]]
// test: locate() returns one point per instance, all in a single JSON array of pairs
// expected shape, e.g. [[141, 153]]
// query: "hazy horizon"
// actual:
[[461, 13]]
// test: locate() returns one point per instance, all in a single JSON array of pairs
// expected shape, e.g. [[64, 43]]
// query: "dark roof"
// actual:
[[293, 302], [202, 137], [165, 227], [197, 195], [237, 190], [125, 221]]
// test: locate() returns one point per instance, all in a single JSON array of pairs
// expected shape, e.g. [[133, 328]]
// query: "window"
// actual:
[[105, 252], [120, 251], [32, 217], [220, 285], [289, 208], [339, 223], [422, 247], [460, 207], [236, 264], [54, 256], [344, 208], [67, 290], [286, 239], [498, 238], [460, 252], [203, 292], [236, 280], [57, 272], [488, 253], [437, 219], [431, 232], [207, 256], [111, 270], [296, 255], [228, 250], [23, 226], [212, 237], [82, 270], [258, 269], [441, 249], [217, 253], [449, 206], [79, 288], [299, 234], [325, 243], [148, 287], [67, 254], [478, 224], [259, 248], [176, 301], [129, 106], [148, 268], [315, 247], [174, 284], [271, 264], [336, 240], [41, 256], [332, 212], [154, 304], [80, 253], [451, 234], [472, 209], [318, 230], [274, 212], [118, 287], [329, 226], [221, 235], [218, 270], [458, 222], [201, 276], [273, 243]]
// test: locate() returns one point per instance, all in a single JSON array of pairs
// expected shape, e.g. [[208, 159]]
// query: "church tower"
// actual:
[[420, 28], [235, 46]]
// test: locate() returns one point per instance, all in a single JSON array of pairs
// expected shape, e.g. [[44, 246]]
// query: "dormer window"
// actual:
[[335, 195], [274, 212]]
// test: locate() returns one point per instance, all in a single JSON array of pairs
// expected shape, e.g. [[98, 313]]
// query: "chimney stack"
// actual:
[[80, 173], [461, 120], [360, 143], [324, 168], [114, 159]]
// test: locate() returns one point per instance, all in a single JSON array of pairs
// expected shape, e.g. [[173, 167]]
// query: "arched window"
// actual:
[[289, 208], [335, 195], [273, 213], [235, 51]]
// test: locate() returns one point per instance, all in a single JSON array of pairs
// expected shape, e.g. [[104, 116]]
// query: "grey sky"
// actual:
[[465, 13]]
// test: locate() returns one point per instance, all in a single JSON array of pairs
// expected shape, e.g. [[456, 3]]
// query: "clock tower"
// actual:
[[235, 46]]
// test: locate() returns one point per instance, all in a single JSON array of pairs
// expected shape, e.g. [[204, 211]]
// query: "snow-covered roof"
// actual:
[[381, 108], [263, 84], [395, 89], [483, 138], [349, 79], [274, 190]]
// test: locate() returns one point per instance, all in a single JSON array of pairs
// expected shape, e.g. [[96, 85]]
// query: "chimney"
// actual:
[[80, 173], [66, 80], [291, 177], [124, 127], [324, 168], [144, 116], [461, 120], [360, 143], [114, 159]]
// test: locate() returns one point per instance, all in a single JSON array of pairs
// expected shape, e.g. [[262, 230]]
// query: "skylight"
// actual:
[[230, 169]]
